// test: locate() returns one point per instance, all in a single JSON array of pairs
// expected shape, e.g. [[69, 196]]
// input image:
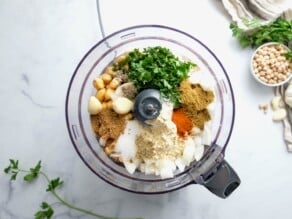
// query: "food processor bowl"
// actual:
[[212, 170]]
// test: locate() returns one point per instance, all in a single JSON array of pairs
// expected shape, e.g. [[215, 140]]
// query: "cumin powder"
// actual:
[[108, 124], [195, 101]]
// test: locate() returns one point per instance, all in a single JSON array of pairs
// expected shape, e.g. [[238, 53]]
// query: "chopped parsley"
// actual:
[[279, 30], [158, 68]]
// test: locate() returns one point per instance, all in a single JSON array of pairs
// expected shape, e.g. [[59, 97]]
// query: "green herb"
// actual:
[[33, 172], [288, 55], [54, 183], [279, 30], [46, 211], [252, 23], [158, 68]]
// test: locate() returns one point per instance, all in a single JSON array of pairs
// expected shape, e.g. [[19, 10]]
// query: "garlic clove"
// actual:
[[276, 102], [279, 114], [122, 105], [94, 105]]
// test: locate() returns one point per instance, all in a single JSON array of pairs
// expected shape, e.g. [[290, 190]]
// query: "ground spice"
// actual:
[[108, 124], [194, 101], [159, 141], [183, 123]]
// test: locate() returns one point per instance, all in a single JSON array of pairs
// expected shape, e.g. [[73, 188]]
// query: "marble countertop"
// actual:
[[41, 43]]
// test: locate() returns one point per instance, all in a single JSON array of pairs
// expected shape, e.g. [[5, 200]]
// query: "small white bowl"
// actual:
[[269, 78]]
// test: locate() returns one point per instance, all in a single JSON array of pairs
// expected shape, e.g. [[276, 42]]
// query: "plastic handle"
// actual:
[[222, 181]]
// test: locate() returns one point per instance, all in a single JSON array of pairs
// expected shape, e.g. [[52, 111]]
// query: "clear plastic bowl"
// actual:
[[92, 65]]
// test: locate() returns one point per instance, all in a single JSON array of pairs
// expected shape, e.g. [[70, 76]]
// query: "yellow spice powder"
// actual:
[[159, 141]]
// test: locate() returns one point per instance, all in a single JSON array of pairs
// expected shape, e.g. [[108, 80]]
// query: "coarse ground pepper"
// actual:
[[183, 123], [194, 101]]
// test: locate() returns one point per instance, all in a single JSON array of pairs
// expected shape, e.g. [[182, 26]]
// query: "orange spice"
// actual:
[[183, 123]]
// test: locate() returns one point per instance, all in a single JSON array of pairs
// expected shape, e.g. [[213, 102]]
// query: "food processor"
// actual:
[[211, 171]]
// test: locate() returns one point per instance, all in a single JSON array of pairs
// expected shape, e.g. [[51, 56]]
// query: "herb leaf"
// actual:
[[288, 55], [251, 23], [14, 174], [33, 173], [279, 30], [46, 212], [158, 68], [53, 184], [12, 169]]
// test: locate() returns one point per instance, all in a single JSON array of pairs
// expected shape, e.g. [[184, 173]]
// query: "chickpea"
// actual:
[[106, 78], [262, 78], [98, 83], [104, 105], [108, 150], [269, 71], [262, 73], [114, 83], [110, 70], [101, 94], [109, 104], [270, 65], [108, 93], [120, 58]]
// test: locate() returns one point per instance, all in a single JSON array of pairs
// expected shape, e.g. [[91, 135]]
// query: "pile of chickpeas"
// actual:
[[106, 85], [269, 64]]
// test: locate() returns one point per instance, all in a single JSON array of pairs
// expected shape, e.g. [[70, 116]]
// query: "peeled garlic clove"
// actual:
[[94, 105], [279, 114], [122, 105], [276, 102]]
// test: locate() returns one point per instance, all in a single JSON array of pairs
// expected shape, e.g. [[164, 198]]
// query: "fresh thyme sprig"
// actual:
[[46, 211]]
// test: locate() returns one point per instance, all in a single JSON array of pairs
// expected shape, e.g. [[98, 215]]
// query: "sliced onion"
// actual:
[[130, 167], [199, 152]]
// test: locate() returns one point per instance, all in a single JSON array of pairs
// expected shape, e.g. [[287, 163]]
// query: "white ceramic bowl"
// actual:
[[276, 77]]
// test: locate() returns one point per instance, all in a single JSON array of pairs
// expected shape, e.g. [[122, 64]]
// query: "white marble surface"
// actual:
[[41, 42]]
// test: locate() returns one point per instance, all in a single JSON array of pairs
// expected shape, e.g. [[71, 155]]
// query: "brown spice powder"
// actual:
[[194, 101], [108, 124]]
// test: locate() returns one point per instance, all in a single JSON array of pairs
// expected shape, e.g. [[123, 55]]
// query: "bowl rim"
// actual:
[[252, 69]]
